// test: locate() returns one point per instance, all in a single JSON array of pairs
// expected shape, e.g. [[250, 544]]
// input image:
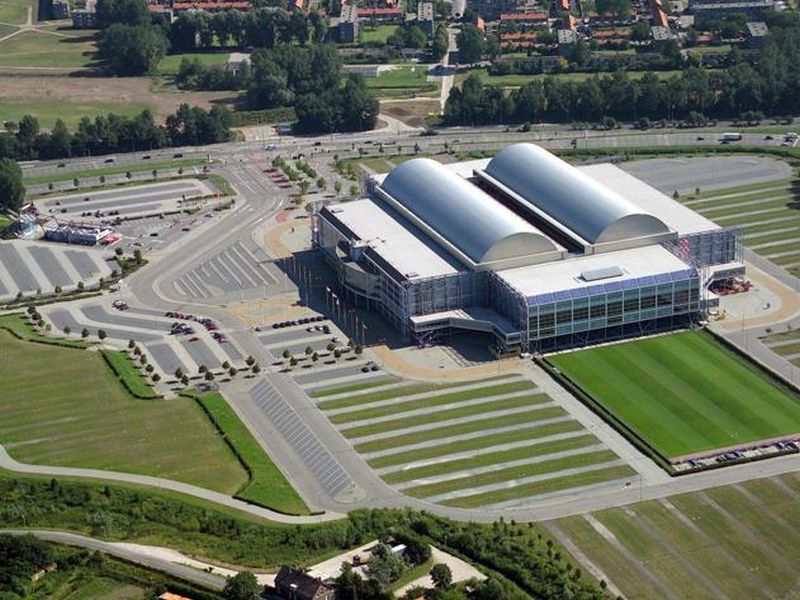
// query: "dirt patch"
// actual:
[[103, 90], [410, 112]]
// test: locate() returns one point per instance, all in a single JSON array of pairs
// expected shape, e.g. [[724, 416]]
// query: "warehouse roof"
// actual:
[[645, 263], [568, 196], [408, 251], [462, 214]]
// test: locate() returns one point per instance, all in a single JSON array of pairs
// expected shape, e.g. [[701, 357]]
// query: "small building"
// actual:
[[661, 35], [235, 62], [756, 34], [291, 584], [704, 12], [86, 18], [425, 18], [348, 24], [567, 38], [59, 9]]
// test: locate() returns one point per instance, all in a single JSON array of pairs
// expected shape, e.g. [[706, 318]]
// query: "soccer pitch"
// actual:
[[684, 393]]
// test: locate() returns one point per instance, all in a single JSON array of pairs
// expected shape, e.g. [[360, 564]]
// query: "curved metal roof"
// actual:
[[463, 214], [596, 213]]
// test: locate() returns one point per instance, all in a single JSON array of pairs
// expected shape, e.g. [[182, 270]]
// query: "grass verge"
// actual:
[[105, 171], [129, 374], [267, 486]]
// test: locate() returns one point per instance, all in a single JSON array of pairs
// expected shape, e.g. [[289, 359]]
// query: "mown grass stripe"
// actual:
[[397, 392], [431, 401], [490, 458], [407, 439], [353, 387], [476, 443], [444, 415], [556, 484], [502, 475]]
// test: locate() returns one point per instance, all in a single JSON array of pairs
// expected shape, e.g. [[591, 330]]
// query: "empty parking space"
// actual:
[[317, 376], [201, 353], [285, 336], [29, 267], [139, 200], [314, 455], [61, 318], [102, 315], [233, 269], [166, 358]]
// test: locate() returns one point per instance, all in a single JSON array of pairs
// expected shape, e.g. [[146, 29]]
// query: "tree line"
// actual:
[[188, 126], [771, 86], [521, 560]]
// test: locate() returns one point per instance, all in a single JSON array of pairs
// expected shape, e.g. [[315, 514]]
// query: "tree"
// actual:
[[209, 376], [67, 330], [442, 576], [309, 351], [12, 192], [256, 369], [85, 333], [101, 334], [286, 354], [242, 586], [337, 186], [249, 361], [471, 44], [132, 50], [156, 377], [384, 566], [126, 12]]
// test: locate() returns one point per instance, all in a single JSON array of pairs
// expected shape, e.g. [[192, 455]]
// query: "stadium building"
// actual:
[[525, 247]]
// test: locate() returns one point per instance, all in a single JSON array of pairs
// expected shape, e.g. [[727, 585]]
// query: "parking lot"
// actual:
[[170, 342], [236, 269], [30, 266], [136, 201]]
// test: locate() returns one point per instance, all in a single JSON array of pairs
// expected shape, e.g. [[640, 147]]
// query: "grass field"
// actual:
[[132, 378], [378, 34], [66, 50], [170, 64], [405, 80], [65, 407], [736, 542], [472, 443], [16, 11], [515, 81], [683, 393], [267, 485], [766, 213], [48, 110]]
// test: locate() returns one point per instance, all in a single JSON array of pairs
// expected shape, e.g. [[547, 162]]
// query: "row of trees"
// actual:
[[770, 86], [12, 192], [188, 126]]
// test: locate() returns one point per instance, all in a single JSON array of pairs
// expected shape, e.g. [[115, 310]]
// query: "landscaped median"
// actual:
[[129, 374], [266, 486]]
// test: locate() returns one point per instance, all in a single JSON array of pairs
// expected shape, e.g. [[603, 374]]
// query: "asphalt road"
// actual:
[[137, 556], [257, 201]]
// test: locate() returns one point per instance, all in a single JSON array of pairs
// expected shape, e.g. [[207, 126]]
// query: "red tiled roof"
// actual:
[[527, 16], [240, 4], [659, 17], [375, 12]]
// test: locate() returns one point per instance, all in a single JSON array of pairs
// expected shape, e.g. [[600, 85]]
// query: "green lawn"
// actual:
[[378, 34], [402, 80], [170, 64], [16, 11], [543, 486], [514, 81], [353, 387], [740, 540], [267, 485], [684, 393], [37, 49], [19, 327], [71, 112], [389, 425], [476, 425], [430, 401], [65, 407], [129, 373], [507, 437]]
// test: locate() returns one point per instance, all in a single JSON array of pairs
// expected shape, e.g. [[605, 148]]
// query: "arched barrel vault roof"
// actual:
[[467, 217], [593, 211]]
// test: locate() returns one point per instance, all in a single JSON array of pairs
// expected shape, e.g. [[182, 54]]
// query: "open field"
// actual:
[[379, 33], [736, 542], [767, 214], [47, 111], [62, 49], [405, 80], [498, 440], [683, 393], [515, 81], [16, 11], [91, 96], [64, 407], [267, 485], [170, 64]]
